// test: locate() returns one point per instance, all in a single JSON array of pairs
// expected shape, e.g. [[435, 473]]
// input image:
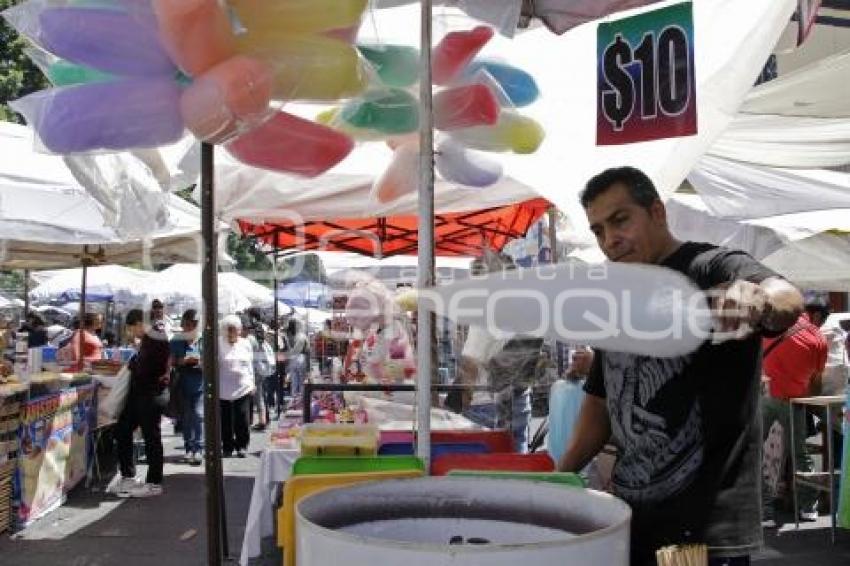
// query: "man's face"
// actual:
[[233, 333], [157, 312], [190, 326], [136, 331], [625, 231]]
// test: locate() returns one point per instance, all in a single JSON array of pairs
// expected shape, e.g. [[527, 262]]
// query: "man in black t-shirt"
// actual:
[[687, 429]]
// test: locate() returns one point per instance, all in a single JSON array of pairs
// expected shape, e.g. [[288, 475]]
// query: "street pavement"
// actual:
[[97, 529]]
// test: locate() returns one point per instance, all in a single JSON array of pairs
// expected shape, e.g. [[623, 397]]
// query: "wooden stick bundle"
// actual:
[[682, 555]]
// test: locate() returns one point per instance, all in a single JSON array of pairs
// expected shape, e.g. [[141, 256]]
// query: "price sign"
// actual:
[[646, 78]]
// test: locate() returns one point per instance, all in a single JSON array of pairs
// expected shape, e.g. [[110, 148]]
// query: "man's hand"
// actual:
[[741, 308], [467, 374], [581, 361], [738, 308]]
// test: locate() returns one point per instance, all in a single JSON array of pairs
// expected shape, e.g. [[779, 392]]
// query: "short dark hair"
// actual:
[[90, 319], [189, 315], [640, 187], [817, 308], [135, 316]]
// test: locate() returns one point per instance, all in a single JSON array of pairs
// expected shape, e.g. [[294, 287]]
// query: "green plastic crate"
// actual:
[[310, 465]]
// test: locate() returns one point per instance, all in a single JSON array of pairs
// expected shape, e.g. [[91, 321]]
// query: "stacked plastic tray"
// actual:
[[10, 419]]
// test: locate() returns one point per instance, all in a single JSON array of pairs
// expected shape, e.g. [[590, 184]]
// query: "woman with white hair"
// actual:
[[235, 386]]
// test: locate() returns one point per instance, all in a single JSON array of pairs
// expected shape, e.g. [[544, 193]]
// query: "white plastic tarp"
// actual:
[[127, 189], [102, 282], [795, 120], [47, 217], [811, 249], [818, 90], [737, 190], [248, 193]]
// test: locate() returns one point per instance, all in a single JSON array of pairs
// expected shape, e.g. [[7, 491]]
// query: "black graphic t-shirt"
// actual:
[[687, 428]]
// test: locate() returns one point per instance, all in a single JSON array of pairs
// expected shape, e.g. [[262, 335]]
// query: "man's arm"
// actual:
[[593, 430]]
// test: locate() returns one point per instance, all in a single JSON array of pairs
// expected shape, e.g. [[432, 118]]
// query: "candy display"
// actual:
[[476, 110], [299, 16], [400, 178], [396, 65], [513, 132], [457, 163], [137, 74], [519, 86], [308, 67], [451, 56]]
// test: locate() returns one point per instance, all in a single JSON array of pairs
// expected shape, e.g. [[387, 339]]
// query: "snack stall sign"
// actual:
[[54, 450]]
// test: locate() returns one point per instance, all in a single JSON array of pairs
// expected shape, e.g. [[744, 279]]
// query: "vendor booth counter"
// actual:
[[54, 450]]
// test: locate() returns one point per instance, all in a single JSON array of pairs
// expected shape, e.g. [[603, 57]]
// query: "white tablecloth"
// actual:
[[275, 467]]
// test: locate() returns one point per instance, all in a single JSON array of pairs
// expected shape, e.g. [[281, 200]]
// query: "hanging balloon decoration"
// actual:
[[475, 111], [138, 73]]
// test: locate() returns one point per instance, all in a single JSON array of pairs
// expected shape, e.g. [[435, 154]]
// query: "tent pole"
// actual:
[[276, 315], [553, 233], [82, 312], [26, 293], [425, 271], [212, 430]]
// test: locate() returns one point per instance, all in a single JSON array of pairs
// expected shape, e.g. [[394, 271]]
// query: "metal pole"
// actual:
[[425, 272], [553, 233], [212, 428], [26, 292], [82, 312], [277, 383], [557, 352]]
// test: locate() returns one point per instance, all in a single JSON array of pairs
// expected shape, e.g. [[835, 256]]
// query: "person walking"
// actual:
[[146, 401], [186, 358], [235, 387]]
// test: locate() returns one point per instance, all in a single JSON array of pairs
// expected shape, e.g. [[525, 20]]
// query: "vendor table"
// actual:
[[54, 437], [821, 481], [275, 467]]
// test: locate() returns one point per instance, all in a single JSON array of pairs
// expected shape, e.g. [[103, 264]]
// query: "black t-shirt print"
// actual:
[[687, 428]]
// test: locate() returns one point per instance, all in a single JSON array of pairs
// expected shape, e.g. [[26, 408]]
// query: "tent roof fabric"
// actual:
[[47, 219], [456, 234]]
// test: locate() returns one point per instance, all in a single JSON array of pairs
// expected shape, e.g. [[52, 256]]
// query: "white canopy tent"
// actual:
[[48, 220], [103, 282], [179, 288], [257, 195]]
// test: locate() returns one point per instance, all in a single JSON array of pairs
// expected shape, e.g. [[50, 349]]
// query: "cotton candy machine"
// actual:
[[469, 521]]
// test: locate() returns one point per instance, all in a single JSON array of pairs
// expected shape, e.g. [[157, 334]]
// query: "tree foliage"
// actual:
[[18, 75], [308, 267], [250, 259], [12, 284]]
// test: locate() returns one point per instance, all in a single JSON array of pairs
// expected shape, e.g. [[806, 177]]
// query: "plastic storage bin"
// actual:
[[298, 487], [319, 439], [539, 462], [311, 465]]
